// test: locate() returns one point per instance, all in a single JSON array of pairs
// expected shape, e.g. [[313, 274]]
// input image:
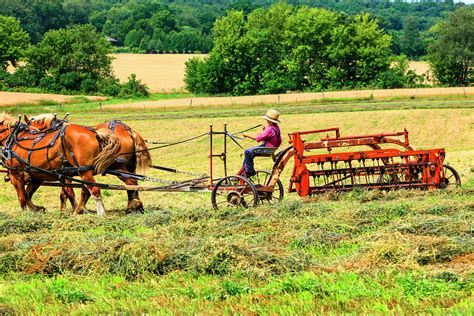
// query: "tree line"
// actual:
[[267, 50], [312, 49], [186, 25]]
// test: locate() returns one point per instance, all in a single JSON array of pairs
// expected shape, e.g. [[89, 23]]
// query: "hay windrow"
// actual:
[[354, 233]]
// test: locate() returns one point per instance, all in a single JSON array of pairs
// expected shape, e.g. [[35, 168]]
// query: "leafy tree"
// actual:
[[452, 54], [77, 11], [77, 49], [13, 41], [312, 49], [308, 33], [67, 57], [411, 43], [207, 76], [359, 50]]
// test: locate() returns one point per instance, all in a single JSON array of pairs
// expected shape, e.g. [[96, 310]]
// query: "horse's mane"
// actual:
[[44, 119], [6, 119]]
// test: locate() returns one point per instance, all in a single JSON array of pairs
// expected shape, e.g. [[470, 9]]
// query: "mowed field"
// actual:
[[358, 252], [15, 98]]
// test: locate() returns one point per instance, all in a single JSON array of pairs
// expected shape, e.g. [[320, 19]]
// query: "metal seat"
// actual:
[[264, 152]]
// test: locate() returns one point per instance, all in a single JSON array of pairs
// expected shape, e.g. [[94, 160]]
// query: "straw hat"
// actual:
[[272, 116]]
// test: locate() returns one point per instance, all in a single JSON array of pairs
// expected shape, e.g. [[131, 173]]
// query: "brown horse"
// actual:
[[37, 157], [133, 155]]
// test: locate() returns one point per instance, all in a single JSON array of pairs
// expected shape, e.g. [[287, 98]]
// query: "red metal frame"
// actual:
[[428, 163]]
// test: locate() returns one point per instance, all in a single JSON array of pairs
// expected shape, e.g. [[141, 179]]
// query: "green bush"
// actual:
[[108, 86], [134, 87], [398, 76]]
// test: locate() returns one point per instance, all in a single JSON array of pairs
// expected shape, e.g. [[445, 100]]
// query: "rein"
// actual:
[[232, 137]]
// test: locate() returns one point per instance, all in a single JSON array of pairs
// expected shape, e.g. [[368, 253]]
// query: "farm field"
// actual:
[[161, 72], [358, 252]]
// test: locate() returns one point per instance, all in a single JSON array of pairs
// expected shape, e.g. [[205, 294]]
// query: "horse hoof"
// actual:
[[136, 206], [39, 209]]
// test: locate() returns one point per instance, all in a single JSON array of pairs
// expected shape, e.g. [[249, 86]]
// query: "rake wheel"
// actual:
[[234, 191], [451, 178]]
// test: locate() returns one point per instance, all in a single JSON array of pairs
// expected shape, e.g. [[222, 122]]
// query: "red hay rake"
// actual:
[[377, 168]]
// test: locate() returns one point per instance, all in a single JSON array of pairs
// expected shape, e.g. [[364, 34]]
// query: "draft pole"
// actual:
[[224, 155], [210, 155]]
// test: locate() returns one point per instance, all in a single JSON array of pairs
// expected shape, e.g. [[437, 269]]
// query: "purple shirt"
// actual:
[[270, 136]]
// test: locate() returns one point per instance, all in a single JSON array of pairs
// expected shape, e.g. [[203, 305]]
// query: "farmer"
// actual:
[[270, 137]]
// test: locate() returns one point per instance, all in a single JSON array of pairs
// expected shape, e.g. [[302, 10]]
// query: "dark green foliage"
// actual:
[[206, 76], [411, 43], [148, 18], [77, 49], [452, 54]]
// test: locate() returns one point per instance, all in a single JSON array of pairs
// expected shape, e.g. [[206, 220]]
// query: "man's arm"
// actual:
[[248, 136], [267, 133]]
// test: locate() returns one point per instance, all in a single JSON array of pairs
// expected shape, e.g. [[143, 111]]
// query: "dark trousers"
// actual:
[[248, 160]]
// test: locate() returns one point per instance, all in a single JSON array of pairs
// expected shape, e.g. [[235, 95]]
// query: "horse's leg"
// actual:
[[85, 194], [31, 188], [67, 193], [134, 203], [63, 199], [72, 197], [94, 191], [19, 184]]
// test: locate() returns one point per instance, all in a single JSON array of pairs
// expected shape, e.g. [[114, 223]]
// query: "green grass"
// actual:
[[358, 253], [308, 292], [404, 251]]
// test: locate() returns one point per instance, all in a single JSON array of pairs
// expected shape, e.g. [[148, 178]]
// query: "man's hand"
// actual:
[[248, 136]]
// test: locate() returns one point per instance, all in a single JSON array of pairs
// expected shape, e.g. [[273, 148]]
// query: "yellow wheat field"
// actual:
[[162, 73]]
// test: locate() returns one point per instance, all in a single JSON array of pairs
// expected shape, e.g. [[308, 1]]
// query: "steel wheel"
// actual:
[[234, 191], [262, 178], [451, 178]]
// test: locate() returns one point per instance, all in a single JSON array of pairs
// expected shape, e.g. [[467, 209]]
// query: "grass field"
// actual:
[[358, 252]]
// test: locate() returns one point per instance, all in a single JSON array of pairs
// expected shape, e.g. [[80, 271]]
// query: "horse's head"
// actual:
[[43, 122], [6, 123]]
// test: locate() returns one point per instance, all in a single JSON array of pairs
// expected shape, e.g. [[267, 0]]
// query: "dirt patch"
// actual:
[[13, 98]]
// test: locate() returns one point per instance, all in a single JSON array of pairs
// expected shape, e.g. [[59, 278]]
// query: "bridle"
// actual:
[[4, 138]]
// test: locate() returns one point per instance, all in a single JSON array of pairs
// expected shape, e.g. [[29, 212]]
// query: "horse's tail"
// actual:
[[109, 151], [142, 154]]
